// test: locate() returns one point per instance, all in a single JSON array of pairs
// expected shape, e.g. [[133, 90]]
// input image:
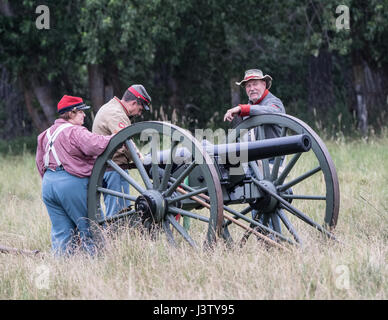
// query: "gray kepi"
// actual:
[[141, 93]]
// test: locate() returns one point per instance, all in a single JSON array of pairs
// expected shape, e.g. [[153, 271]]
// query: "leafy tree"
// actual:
[[189, 54], [115, 45], [44, 61], [362, 50]]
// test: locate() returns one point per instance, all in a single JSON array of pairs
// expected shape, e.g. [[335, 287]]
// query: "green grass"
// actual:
[[134, 267]]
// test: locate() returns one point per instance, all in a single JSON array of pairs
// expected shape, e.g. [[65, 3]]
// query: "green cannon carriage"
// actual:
[[288, 182]]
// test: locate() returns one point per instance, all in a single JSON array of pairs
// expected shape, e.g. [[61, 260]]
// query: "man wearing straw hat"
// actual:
[[261, 101]]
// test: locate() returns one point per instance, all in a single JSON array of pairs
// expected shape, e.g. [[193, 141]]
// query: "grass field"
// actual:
[[134, 267]]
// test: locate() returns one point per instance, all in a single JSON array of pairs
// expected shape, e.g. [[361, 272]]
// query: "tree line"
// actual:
[[329, 71]]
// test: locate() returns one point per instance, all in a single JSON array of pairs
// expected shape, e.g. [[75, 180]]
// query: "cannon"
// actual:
[[282, 190]]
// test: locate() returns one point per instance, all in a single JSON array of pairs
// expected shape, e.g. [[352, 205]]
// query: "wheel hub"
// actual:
[[267, 203], [151, 206]]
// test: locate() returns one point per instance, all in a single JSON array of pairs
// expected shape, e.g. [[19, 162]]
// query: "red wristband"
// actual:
[[245, 109]]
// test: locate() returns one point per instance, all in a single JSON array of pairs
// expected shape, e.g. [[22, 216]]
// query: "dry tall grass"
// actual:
[[134, 267]]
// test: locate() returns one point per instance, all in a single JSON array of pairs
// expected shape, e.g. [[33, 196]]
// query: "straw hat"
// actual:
[[256, 74]]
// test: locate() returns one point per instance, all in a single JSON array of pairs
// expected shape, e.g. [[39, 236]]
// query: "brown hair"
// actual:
[[67, 115]]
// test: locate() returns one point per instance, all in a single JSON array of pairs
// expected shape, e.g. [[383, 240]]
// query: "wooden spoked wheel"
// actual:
[[300, 192], [157, 193]]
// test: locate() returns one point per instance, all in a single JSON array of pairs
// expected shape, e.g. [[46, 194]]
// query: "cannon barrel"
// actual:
[[234, 153]]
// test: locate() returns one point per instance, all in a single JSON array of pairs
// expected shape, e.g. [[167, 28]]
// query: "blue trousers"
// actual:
[[65, 197], [114, 181]]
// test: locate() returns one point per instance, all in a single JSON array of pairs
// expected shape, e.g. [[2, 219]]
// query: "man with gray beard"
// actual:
[[261, 101]]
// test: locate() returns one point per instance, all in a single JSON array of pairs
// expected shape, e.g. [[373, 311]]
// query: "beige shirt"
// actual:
[[110, 119]]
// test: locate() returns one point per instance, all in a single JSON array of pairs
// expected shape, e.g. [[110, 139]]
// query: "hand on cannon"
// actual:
[[231, 113]]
